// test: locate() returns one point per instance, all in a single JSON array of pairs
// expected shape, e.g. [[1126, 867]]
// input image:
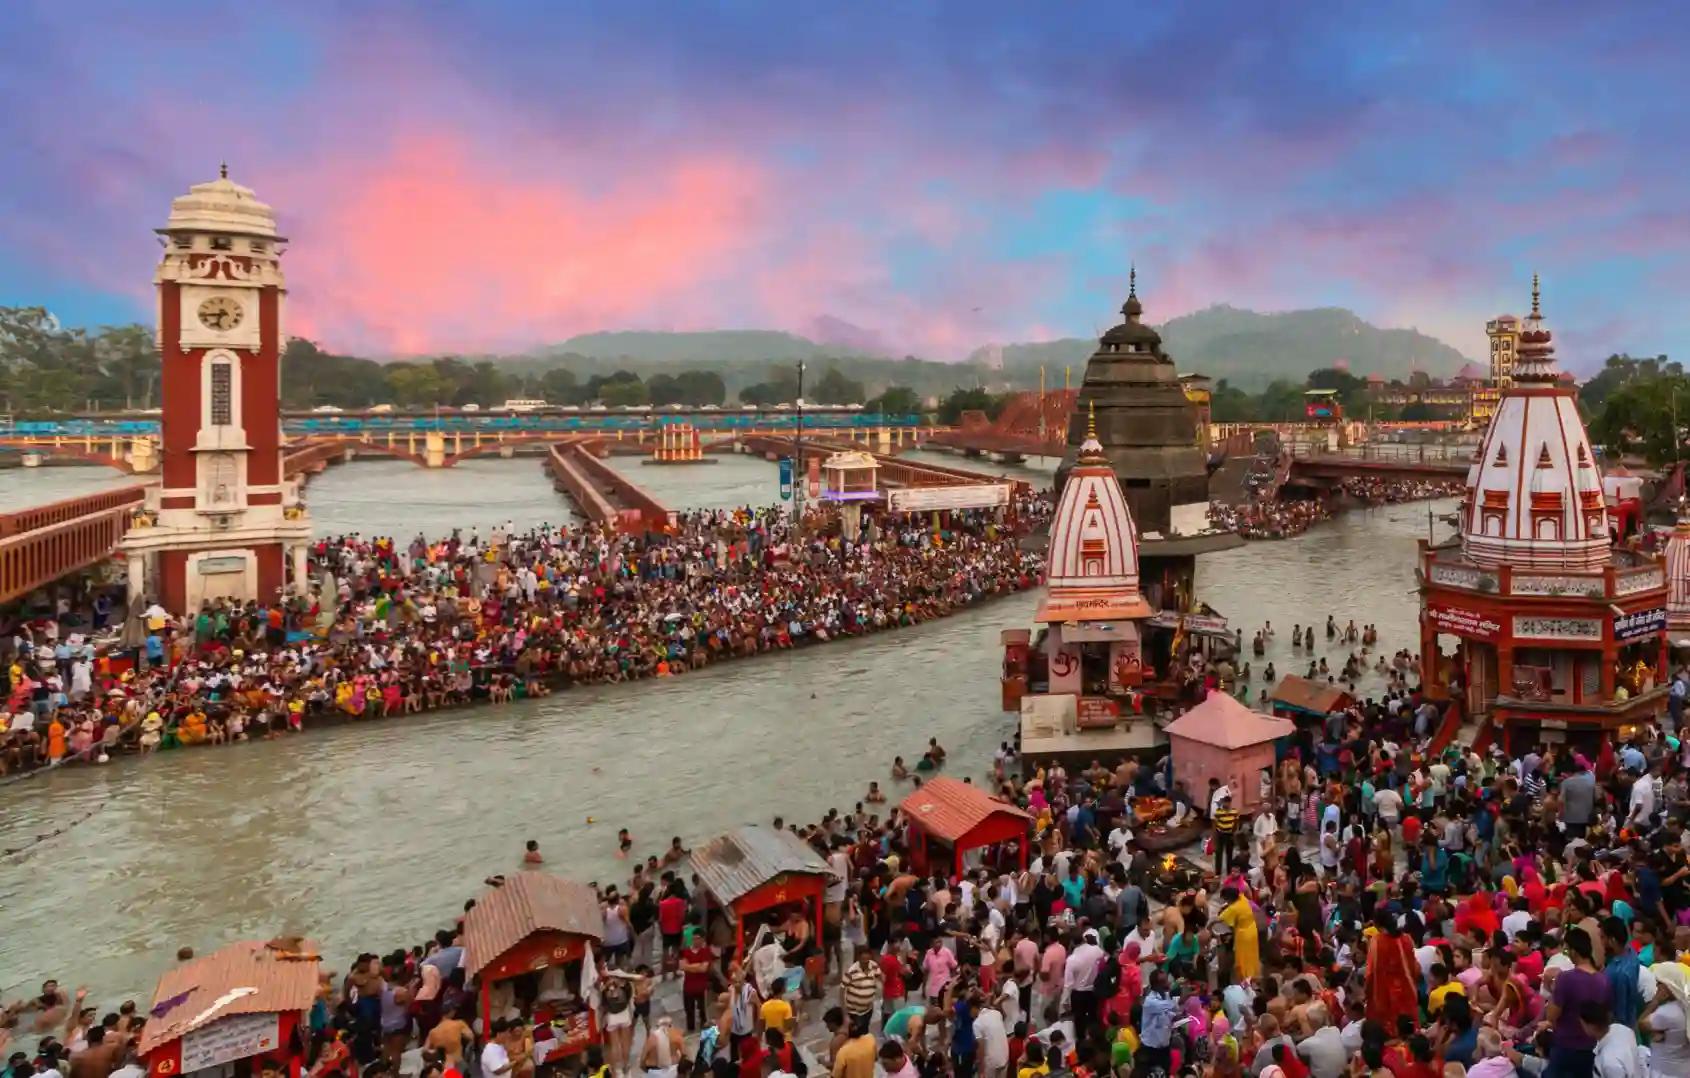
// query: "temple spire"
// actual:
[[1132, 309], [1536, 313]]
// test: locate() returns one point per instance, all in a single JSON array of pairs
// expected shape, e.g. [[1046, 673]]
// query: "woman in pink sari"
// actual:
[[1129, 988]]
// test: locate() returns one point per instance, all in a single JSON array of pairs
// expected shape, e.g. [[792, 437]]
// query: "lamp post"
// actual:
[[800, 477]]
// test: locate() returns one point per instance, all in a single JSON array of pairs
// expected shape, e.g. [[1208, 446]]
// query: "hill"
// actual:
[[713, 346], [1250, 349]]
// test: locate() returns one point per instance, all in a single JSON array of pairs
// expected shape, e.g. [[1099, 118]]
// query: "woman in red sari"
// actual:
[[1392, 973]]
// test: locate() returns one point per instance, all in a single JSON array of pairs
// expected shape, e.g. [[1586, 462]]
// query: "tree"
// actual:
[[1638, 416], [968, 400], [558, 386], [416, 385], [897, 400], [1617, 371], [1229, 404], [835, 388], [624, 393]]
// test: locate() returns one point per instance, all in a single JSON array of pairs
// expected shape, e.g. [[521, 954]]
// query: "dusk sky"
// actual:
[[913, 177]]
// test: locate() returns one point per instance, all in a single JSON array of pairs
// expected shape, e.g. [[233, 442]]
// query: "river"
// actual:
[[368, 836]]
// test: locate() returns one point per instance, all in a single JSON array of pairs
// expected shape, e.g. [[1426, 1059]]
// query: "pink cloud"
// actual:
[[436, 245]]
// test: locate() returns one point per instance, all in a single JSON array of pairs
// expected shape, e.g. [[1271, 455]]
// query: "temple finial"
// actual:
[[1091, 421], [1536, 313], [223, 170], [1132, 280]]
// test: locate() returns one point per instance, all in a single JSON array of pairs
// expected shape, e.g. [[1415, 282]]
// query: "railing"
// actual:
[[65, 536], [1392, 452], [60, 512]]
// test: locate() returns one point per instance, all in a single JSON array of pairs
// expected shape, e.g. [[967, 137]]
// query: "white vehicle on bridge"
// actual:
[[523, 404]]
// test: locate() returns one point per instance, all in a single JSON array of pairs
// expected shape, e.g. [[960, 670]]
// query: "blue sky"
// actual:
[[923, 177]]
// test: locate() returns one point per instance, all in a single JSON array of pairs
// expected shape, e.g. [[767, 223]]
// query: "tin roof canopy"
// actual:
[[1311, 697], [739, 862], [529, 902], [242, 978], [950, 810]]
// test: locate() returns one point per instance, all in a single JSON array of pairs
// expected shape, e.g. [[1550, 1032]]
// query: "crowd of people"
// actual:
[[1285, 518], [1376, 909], [397, 628]]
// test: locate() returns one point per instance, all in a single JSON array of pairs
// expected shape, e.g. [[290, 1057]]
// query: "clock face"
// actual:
[[221, 313]]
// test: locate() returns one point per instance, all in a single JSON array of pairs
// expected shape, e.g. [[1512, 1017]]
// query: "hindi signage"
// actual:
[[1096, 712], [1459, 621], [786, 479], [237, 1037], [961, 496], [1639, 623], [1549, 628]]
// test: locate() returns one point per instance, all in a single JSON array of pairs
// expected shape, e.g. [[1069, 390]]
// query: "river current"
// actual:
[[368, 836]]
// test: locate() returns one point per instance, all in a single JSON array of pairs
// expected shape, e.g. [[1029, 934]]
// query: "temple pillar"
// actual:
[[301, 569], [137, 573]]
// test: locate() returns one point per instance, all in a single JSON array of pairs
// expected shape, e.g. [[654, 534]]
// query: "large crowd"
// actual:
[[396, 628], [1285, 518], [1377, 908]]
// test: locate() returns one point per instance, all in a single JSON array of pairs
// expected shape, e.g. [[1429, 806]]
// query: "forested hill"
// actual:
[[1250, 349]]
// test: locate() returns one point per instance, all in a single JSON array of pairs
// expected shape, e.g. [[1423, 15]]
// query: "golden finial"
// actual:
[[1535, 312], [1091, 421]]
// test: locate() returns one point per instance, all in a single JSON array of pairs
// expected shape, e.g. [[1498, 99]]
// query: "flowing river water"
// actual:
[[368, 836]]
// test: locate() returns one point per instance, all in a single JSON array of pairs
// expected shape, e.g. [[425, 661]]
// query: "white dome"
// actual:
[[1535, 497], [1093, 556], [221, 205]]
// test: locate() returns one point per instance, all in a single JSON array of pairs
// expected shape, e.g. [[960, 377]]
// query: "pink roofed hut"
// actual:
[[1222, 739]]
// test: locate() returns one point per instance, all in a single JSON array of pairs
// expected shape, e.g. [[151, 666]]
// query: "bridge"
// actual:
[[1382, 460], [45, 542], [1030, 425], [895, 472], [601, 493]]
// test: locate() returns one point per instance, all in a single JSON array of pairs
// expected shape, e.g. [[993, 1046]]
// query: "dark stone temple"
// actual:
[[1148, 430]]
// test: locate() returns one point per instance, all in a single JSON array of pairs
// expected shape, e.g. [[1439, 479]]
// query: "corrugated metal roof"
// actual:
[[242, 978], [741, 861], [1224, 722], [949, 809], [528, 902], [1312, 696]]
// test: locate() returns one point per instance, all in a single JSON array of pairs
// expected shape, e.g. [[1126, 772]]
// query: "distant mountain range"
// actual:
[[1248, 348], [1251, 349]]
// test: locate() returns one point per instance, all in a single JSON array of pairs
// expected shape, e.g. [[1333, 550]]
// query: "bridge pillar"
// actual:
[[143, 455], [506, 450], [434, 450], [883, 439], [458, 443]]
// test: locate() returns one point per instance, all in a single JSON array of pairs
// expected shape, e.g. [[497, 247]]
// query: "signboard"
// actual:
[[226, 564], [1461, 576], [228, 1039], [1639, 624], [1588, 586], [1094, 712], [962, 496], [786, 479], [1459, 621], [1549, 628], [1194, 623]]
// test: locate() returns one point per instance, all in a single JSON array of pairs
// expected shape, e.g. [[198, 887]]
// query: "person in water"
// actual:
[[531, 853], [899, 771]]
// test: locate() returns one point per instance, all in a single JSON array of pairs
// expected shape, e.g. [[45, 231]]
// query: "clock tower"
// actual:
[[223, 522]]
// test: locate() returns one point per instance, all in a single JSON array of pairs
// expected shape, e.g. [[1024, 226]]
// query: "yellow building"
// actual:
[[1504, 334]]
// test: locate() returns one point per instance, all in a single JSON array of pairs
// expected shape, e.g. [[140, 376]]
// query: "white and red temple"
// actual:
[[223, 522], [1083, 668], [1559, 634]]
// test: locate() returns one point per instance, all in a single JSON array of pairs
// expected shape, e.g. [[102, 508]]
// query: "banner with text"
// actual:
[[961, 496], [1459, 621], [1639, 624]]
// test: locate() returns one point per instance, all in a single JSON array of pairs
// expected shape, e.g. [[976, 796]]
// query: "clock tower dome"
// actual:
[[223, 522]]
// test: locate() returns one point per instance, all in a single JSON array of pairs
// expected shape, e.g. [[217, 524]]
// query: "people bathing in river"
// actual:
[[411, 627], [1284, 518]]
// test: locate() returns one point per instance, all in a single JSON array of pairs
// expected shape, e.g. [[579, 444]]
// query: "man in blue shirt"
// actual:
[[1156, 1025], [1625, 995]]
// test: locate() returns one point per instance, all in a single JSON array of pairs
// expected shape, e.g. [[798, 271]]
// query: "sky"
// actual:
[[909, 177]]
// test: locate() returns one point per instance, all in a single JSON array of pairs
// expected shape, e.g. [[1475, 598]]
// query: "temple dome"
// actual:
[[1535, 497], [1093, 557], [222, 206], [1678, 576]]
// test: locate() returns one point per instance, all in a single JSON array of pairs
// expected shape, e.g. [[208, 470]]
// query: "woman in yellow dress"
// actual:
[[1246, 950]]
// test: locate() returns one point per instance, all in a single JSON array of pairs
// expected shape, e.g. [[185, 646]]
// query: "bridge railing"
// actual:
[[1394, 452], [64, 536], [69, 509]]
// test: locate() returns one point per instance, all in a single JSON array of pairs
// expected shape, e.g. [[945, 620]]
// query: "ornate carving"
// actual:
[[1556, 584], [1549, 628]]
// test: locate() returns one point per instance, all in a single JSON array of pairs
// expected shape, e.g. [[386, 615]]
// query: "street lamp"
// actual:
[[800, 476]]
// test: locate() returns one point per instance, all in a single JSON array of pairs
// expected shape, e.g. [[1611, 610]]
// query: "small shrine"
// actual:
[[848, 480], [1222, 739], [1079, 675], [678, 443], [1558, 634]]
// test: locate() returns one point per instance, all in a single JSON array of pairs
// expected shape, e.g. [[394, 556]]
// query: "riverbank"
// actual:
[[329, 716]]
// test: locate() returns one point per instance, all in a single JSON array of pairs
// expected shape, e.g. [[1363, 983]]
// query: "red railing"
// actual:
[[41, 516], [42, 544]]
